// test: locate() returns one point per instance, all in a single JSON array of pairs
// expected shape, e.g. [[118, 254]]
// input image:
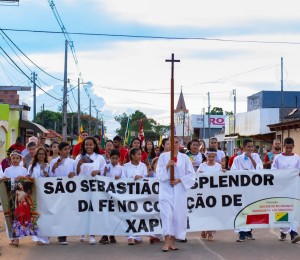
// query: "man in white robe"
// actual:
[[172, 195]]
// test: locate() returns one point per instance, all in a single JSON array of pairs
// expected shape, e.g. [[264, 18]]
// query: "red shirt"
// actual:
[[76, 149], [18, 147], [123, 152], [230, 162], [144, 156]]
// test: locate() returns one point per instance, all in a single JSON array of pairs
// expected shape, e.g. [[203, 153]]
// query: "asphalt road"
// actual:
[[266, 246]]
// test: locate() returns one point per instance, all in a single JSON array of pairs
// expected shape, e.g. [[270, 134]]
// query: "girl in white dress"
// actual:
[[137, 170], [39, 169], [14, 171], [89, 163], [210, 166]]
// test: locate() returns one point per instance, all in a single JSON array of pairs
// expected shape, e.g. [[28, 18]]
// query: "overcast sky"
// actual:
[[131, 73]]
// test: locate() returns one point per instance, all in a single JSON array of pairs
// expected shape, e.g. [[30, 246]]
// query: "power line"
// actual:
[[28, 57], [152, 36], [26, 74]]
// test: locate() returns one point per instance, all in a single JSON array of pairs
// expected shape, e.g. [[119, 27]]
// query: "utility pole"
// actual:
[[209, 132], [90, 116], [234, 108], [203, 114], [183, 122], [78, 109], [281, 112], [34, 95], [72, 127], [65, 102]]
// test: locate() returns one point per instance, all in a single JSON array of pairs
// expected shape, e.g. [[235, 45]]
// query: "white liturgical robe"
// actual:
[[173, 200]]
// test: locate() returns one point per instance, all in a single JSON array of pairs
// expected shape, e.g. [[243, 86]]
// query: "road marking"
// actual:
[[209, 249]]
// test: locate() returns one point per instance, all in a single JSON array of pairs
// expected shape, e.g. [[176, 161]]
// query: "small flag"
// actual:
[[141, 133], [282, 216], [257, 219], [160, 140], [79, 135]]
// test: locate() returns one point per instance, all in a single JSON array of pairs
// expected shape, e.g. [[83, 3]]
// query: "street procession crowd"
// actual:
[[59, 159]]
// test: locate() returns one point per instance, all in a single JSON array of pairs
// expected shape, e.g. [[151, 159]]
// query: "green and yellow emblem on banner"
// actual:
[[282, 216]]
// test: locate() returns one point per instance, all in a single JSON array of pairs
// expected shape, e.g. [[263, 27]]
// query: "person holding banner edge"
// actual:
[[172, 194], [287, 160]]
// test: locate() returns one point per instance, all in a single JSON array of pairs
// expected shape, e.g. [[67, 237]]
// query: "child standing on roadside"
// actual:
[[210, 166]]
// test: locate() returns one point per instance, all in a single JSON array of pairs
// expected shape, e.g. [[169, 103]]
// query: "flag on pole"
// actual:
[[141, 133], [160, 140], [128, 134], [79, 135]]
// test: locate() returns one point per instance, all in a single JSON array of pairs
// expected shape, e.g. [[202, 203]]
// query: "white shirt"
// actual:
[[1, 172], [204, 167], [242, 162], [15, 171], [113, 171], [130, 170], [66, 166], [98, 164], [37, 172], [282, 161]]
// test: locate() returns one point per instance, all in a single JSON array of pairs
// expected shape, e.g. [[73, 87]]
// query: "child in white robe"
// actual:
[[89, 163], [39, 169], [113, 170], [172, 194], [210, 166], [14, 171], [287, 160], [137, 170], [246, 161], [62, 166]]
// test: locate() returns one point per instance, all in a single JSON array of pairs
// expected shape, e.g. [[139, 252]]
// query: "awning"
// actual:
[[228, 138], [33, 126]]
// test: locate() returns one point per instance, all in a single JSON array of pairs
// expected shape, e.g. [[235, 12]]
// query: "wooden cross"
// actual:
[[172, 60]]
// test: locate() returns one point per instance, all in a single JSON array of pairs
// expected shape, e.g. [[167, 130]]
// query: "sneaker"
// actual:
[[82, 238], [112, 239], [282, 236], [104, 240], [92, 240], [293, 236], [63, 241], [241, 237], [249, 235]]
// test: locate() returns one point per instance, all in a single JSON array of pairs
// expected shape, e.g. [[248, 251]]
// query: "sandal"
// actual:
[[39, 243], [203, 234], [210, 237], [14, 242], [131, 242]]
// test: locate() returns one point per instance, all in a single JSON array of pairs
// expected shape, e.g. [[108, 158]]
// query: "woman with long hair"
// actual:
[[149, 149], [89, 163], [39, 169], [39, 166], [54, 153], [136, 143], [165, 145]]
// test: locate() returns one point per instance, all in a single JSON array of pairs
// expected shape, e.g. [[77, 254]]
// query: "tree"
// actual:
[[228, 113], [53, 120], [216, 111], [152, 130]]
